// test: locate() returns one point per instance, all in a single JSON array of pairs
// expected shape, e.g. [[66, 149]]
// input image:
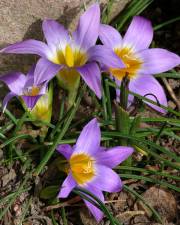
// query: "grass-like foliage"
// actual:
[[118, 127]]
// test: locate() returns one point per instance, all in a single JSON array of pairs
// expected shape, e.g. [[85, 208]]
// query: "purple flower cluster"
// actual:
[[71, 56]]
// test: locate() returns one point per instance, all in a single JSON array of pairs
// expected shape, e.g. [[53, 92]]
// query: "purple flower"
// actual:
[[75, 54], [31, 87], [141, 62], [90, 166]]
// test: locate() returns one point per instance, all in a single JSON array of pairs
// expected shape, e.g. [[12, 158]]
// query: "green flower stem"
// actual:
[[124, 93], [122, 123], [122, 116], [109, 107], [60, 135]]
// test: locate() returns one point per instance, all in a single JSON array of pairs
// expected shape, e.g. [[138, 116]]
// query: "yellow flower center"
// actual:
[[32, 91], [131, 61], [70, 57], [82, 167]]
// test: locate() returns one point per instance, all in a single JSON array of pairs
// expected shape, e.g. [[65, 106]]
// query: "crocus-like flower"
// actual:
[[42, 110], [29, 88], [90, 166], [75, 54], [141, 62]]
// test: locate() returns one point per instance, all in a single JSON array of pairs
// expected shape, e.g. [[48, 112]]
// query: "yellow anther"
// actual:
[[35, 91], [31, 91], [131, 61], [82, 167]]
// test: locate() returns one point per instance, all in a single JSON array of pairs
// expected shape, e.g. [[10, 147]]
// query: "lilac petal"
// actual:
[[15, 81], [139, 34], [30, 77], [7, 99], [43, 89], [89, 139], [105, 56], [30, 101], [92, 76], [147, 84], [106, 179], [31, 71], [97, 213], [45, 71], [87, 30], [157, 60], [55, 34], [28, 47], [65, 149], [67, 186], [110, 36], [114, 156]]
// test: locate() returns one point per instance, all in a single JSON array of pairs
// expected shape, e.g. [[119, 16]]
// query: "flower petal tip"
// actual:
[[129, 150], [95, 6], [5, 49], [133, 37], [2, 50], [99, 217], [60, 195], [94, 121]]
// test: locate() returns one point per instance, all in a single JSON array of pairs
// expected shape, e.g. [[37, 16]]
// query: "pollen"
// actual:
[[82, 167], [70, 57], [131, 61]]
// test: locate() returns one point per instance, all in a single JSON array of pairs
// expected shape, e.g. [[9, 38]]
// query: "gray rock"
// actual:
[[22, 19]]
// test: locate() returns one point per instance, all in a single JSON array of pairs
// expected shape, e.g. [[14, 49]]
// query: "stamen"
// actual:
[[131, 61], [31, 91], [70, 57], [82, 167]]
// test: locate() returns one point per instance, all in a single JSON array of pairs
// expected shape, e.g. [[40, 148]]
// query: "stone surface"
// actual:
[[22, 19], [162, 200]]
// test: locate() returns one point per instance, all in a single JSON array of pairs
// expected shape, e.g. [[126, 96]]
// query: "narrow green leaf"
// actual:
[[134, 125], [157, 27], [152, 180], [155, 172]]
